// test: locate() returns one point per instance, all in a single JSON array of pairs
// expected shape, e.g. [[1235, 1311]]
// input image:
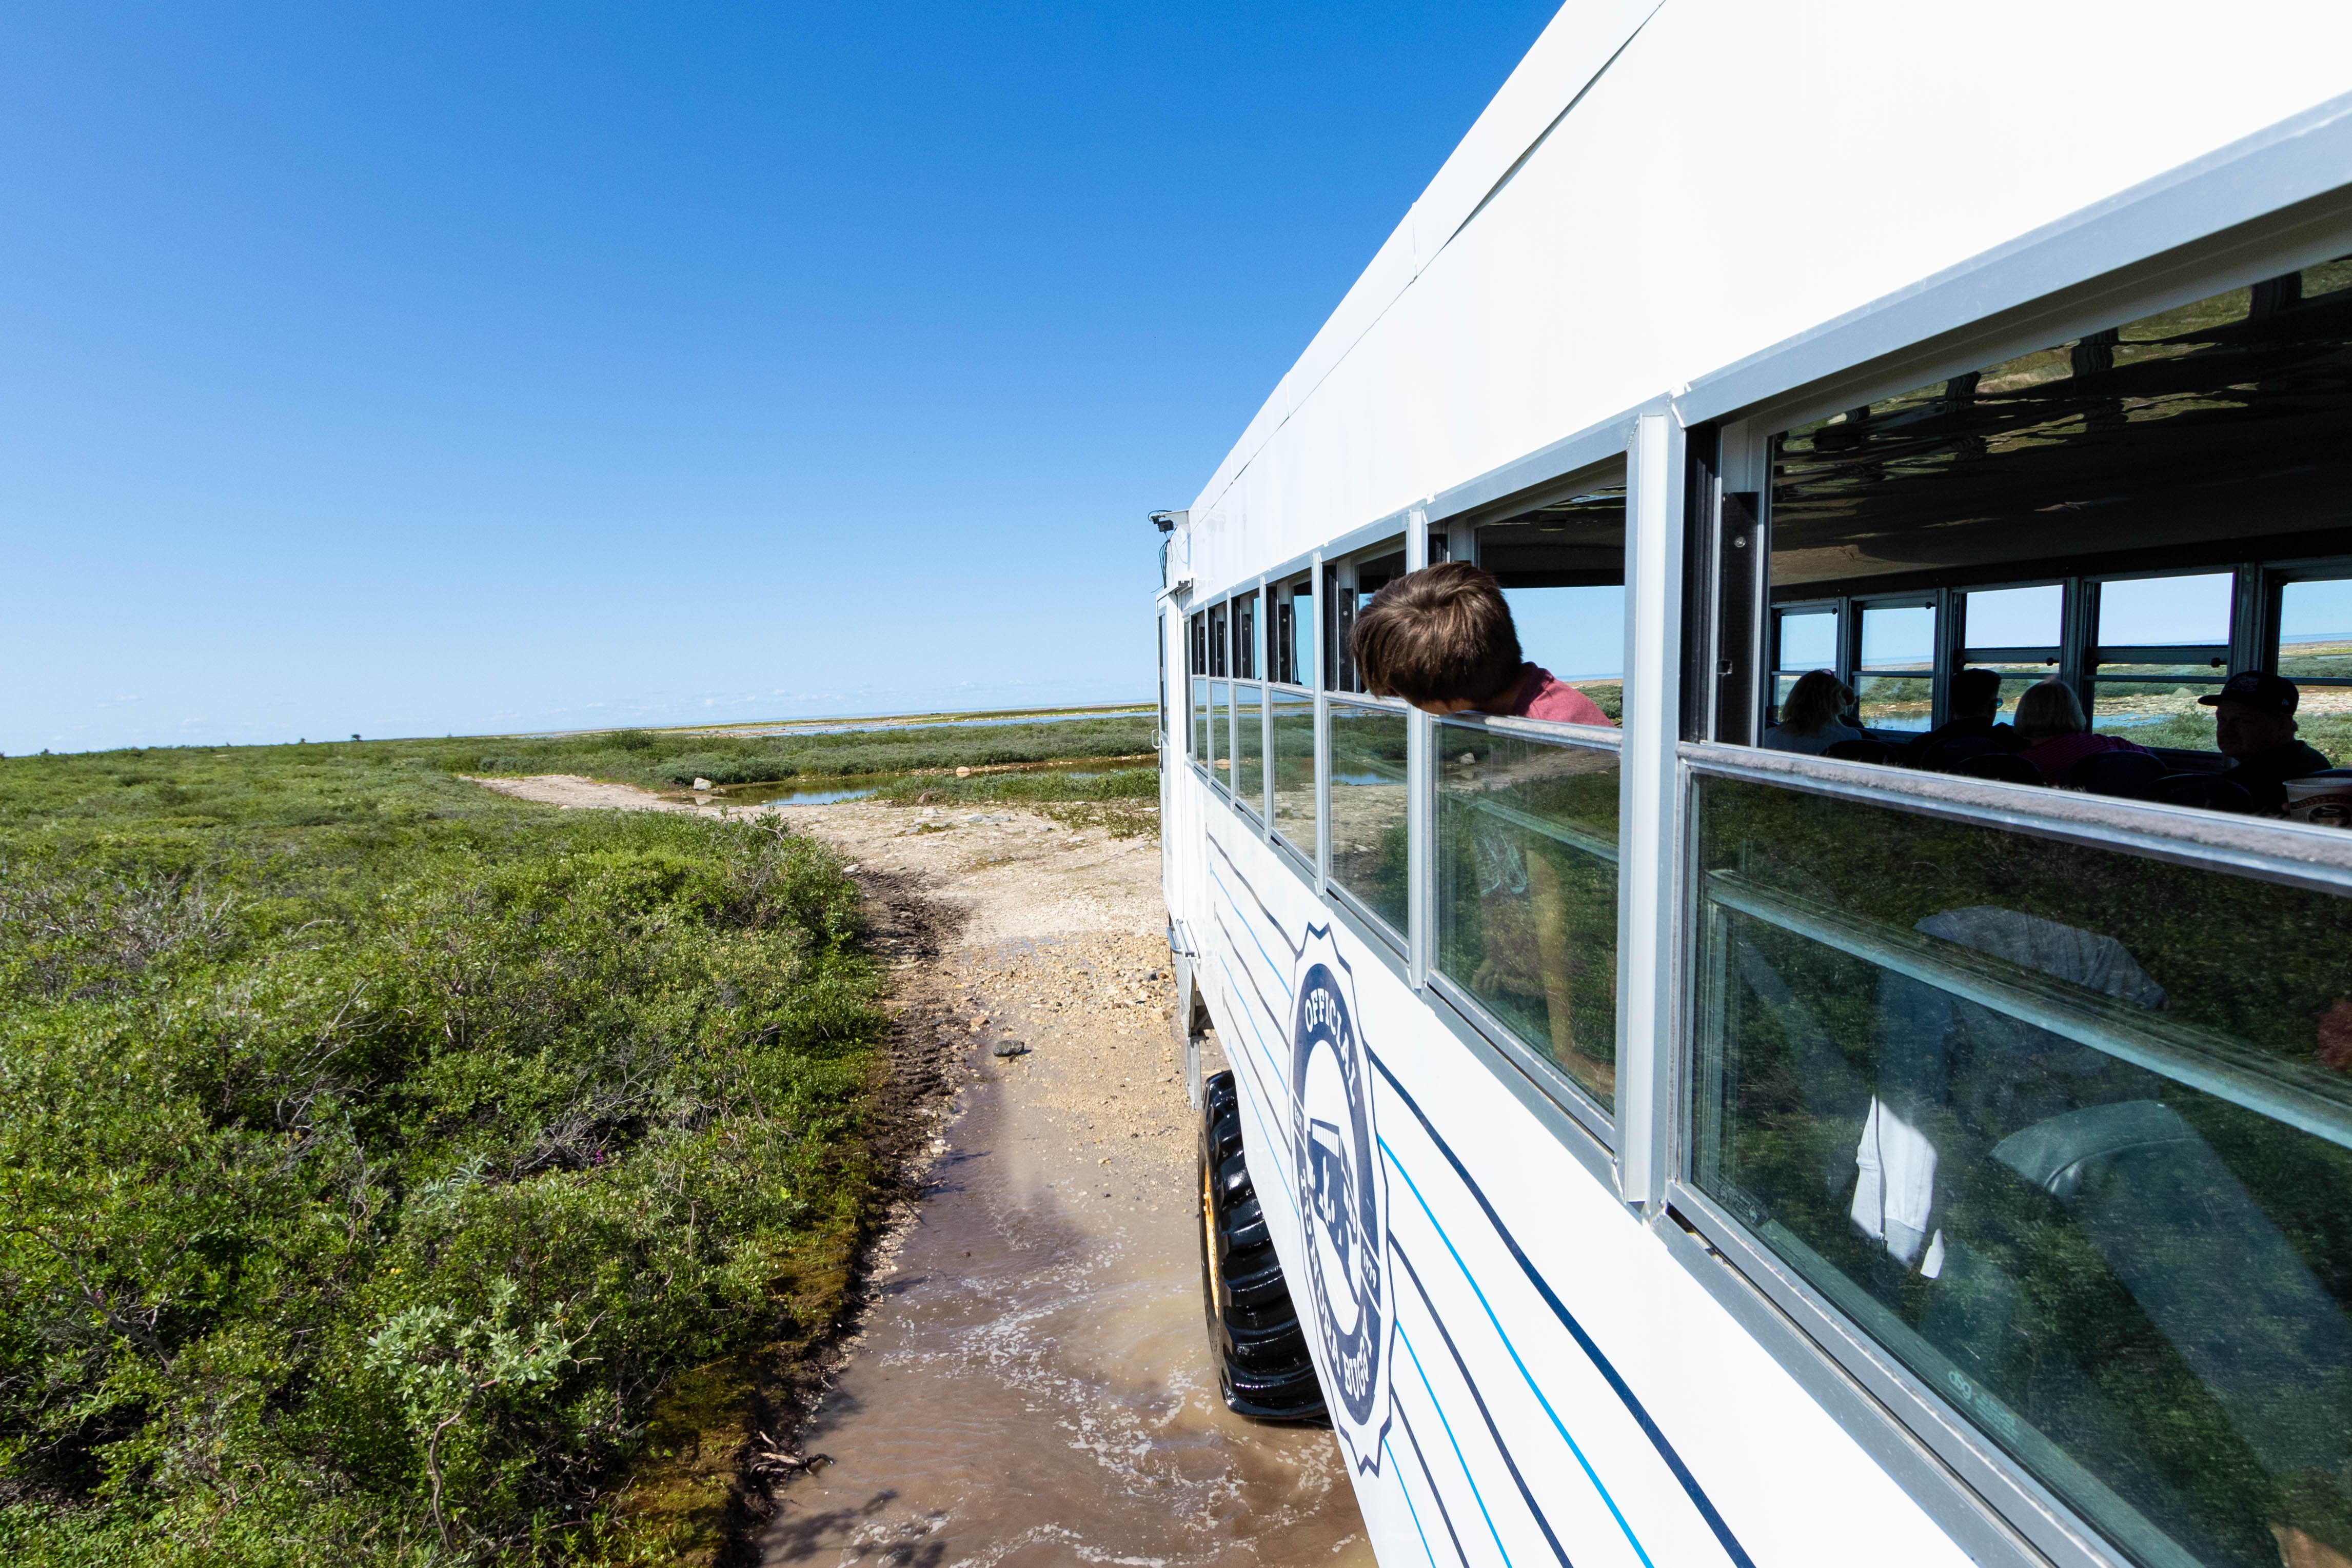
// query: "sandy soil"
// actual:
[[1031, 1383]]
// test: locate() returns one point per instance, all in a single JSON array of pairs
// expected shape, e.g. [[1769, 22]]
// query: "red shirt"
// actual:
[[1540, 696]]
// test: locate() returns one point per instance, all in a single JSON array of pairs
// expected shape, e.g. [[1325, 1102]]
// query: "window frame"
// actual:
[[1944, 327]]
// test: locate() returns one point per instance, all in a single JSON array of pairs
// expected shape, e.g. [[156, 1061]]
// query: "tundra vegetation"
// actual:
[[668, 758], [377, 1154]]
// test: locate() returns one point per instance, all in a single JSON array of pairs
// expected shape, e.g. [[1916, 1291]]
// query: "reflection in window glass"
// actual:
[[1200, 718], [1368, 808], [2016, 618], [1245, 636], [1220, 638], [1221, 734], [2063, 1128], [2168, 611], [1526, 893], [1809, 641], [1302, 633], [2163, 644], [1292, 758], [2316, 652], [1895, 687], [1249, 749]]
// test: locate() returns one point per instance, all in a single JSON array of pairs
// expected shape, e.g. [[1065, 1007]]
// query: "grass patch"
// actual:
[[662, 759], [379, 1155], [1125, 801]]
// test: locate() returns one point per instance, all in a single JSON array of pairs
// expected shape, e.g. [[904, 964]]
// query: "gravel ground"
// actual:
[[1031, 1383]]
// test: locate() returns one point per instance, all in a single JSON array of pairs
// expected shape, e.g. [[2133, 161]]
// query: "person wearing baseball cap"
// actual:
[[2253, 725]]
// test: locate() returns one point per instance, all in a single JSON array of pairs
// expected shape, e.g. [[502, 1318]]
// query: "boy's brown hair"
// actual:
[[1439, 634]]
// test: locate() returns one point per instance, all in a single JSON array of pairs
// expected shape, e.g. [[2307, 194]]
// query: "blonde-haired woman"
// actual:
[[2050, 721], [1810, 720]]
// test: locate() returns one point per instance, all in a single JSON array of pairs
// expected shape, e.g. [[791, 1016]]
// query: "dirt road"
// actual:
[[1032, 1384]]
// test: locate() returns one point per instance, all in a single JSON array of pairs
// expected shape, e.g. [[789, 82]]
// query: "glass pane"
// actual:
[[1220, 731], [1809, 641], [1892, 702], [2316, 644], [1294, 771], [2067, 1130], [2015, 617], [1200, 719], [2156, 705], [1526, 893], [2165, 611], [2014, 679], [1368, 808], [1898, 637], [1302, 633], [1577, 633], [1249, 749], [1245, 636]]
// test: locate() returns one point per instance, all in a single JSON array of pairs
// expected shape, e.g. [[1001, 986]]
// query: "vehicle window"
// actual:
[[2067, 1130], [1805, 640], [1526, 893], [2314, 651], [1350, 583], [1249, 747], [1221, 730], [1368, 808], [1894, 682], [1199, 639], [2163, 643], [1290, 649], [1562, 569], [2146, 475], [2017, 634], [1290, 754]]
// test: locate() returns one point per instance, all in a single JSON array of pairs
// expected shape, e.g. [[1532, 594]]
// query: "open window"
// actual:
[[2052, 1100], [2135, 515], [1561, 563]]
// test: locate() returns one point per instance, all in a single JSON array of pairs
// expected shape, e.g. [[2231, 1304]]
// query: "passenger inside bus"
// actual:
[[2131, 515], [1443, 639], [1975, 727], [2254, 727], [1809, 718], [2057, 738]]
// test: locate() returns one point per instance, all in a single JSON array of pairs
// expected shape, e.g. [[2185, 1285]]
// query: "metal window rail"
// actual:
[[2186, 1053], [1574, 837]]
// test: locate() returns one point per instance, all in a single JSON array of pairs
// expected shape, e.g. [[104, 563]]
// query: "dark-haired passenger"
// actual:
[[1810, 720], [2254, 725], [2050, 721], [1441, 638], [1975, 725]]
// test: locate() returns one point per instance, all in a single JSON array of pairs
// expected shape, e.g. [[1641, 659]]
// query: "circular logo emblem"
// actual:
[[1343, 1199]]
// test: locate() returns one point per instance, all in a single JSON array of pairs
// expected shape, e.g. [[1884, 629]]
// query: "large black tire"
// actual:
[[1264, 1370]]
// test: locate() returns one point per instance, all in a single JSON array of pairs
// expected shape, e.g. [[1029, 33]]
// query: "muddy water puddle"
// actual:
[[1032, 1386]]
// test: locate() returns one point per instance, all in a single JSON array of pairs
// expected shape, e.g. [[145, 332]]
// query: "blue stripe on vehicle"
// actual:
[[1479, 1399], [1406, 1340], [1251, 927], [1219, 916], [1239, 876], [1256, 1034], [1665, 1450], [1398, 1470], [1435, 1496]]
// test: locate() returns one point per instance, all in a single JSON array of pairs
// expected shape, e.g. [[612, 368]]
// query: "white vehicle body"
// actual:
[[1541, 1340]]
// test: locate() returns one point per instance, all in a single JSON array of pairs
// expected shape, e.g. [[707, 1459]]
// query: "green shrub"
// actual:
[[375, 1148]]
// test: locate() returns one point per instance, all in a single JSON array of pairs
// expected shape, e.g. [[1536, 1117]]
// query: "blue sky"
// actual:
[[419, 370]]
